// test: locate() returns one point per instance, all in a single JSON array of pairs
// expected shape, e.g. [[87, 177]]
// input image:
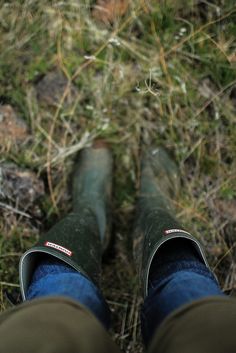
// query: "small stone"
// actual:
[[12, 128], [20, 187], [50, 89]]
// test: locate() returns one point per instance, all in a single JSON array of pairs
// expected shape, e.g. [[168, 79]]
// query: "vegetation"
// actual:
[[155, 73]]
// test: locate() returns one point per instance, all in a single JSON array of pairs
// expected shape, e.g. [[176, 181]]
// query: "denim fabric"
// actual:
[[179, 283], [54, 278], [177, 277]]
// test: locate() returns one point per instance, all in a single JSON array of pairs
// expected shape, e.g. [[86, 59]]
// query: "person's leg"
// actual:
[[177, 277], [202, 326], [55, 325], [52, 277], [67, 260], [172, 265]]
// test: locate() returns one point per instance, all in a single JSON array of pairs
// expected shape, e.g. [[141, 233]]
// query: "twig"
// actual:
[[224, 256], [68, 151], [199, 30], [217, 95], [9, 284], [15, 210], [10, 254]]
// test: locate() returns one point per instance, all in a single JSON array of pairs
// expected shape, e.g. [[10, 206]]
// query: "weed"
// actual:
[[160, 74]]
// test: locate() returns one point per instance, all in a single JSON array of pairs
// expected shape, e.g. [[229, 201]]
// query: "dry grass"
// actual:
[[164, 73]]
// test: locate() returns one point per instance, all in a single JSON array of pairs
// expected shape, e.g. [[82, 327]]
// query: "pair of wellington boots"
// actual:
[[80, 239]]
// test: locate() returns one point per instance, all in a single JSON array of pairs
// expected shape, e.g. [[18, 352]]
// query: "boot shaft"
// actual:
[[81, 237], [155, 221]]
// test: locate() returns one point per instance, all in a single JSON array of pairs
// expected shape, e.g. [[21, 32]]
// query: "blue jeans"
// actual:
[[55, 278], [181, 283]]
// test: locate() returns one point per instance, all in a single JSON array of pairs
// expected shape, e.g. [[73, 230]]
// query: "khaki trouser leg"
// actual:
[[60, 325], [205, 326], [53, 325]]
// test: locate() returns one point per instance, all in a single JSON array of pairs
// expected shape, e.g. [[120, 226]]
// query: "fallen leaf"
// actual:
[[108, 11], [12, 128]]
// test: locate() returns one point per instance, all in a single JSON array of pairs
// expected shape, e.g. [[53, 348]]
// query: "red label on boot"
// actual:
[[58, 247]]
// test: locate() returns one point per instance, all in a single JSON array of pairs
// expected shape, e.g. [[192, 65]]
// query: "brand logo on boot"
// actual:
[[170, 231], [58, 247]]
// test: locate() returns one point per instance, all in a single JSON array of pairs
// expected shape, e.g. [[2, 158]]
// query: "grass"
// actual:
[[162, 74]]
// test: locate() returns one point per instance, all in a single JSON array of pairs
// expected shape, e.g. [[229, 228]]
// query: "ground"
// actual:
[[135, 73]]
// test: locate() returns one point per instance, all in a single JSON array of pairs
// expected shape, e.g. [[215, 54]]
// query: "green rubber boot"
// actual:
[[82, 236], [155, 221]]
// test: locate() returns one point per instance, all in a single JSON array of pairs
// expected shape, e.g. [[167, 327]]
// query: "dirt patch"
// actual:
[[13, 130], [227, 208], [108, 11]]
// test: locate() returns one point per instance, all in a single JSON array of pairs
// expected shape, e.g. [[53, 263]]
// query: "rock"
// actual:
[[51, 87], [20, 188], [12, 128]]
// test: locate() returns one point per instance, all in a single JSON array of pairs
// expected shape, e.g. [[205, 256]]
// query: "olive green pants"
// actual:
[[60, 325]]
